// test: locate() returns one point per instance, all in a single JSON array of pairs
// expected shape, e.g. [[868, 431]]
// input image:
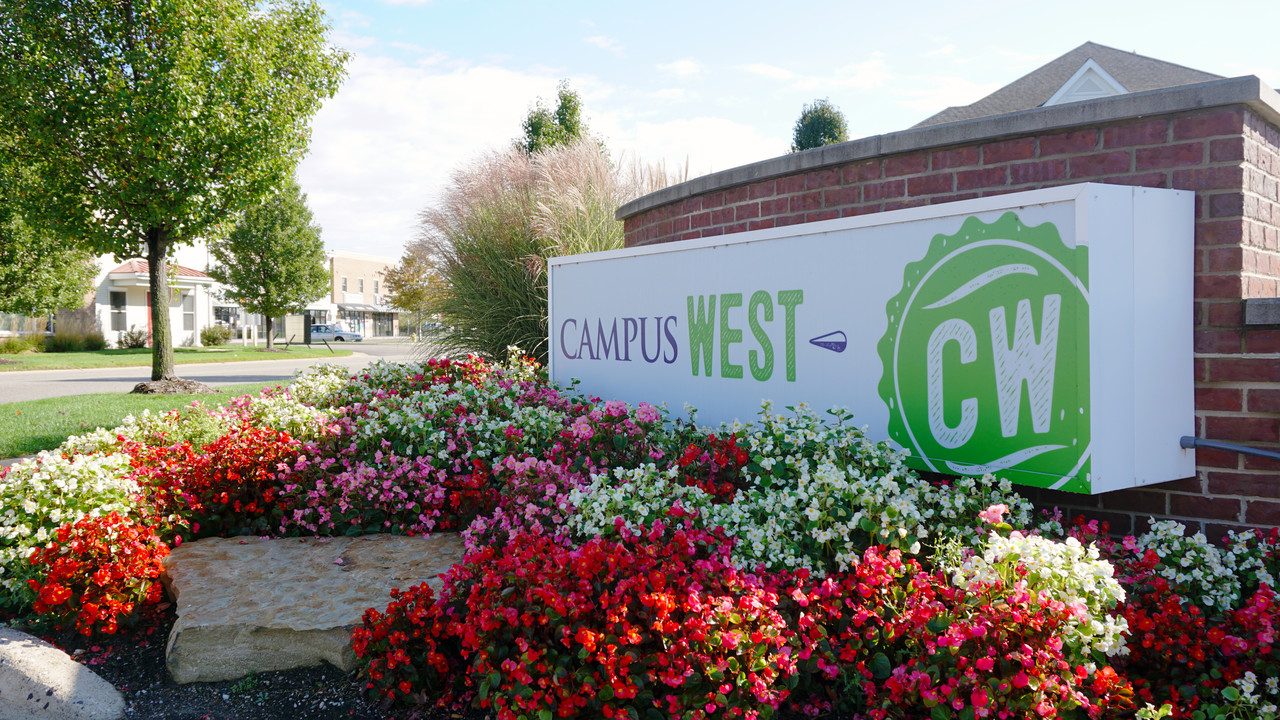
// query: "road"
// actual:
[[37, 384]]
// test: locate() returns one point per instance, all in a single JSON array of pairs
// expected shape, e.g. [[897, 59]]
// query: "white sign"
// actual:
[[1042, 336]]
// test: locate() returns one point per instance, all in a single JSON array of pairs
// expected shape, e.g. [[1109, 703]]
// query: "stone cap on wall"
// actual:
[[1247, 90]]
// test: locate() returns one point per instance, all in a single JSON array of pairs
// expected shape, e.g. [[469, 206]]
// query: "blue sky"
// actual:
[[713, 85]]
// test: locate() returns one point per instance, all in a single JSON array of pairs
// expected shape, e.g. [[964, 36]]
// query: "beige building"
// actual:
[[358, 298]]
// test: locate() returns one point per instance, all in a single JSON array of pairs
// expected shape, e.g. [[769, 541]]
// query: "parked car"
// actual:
[[330, 332]]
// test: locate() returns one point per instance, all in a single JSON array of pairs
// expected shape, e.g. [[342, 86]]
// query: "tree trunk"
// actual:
[[271, 333], [161, 333]]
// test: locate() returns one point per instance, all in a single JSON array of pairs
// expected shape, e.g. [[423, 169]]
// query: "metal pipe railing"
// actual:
[[1189, 442]]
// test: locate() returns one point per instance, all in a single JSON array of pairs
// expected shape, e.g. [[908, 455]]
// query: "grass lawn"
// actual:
[[142, 357], [29, 427]]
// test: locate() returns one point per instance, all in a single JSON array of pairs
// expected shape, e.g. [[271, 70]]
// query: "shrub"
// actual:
[[214, 335], [134, 338], [98, 570], [95, 341], [65, 342], [15, 344]]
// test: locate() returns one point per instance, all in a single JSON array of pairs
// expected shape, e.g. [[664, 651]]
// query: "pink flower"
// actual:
[[994, 514]]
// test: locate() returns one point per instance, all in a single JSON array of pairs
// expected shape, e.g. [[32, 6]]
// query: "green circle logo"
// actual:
[[986, 356]]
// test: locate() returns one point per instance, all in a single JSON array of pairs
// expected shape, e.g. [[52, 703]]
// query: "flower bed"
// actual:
[[622, 563]]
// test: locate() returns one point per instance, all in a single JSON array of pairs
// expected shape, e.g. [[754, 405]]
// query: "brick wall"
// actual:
[[1229, 156]]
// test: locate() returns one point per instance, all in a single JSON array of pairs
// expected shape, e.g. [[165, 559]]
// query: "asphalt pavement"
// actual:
[[36, 384]]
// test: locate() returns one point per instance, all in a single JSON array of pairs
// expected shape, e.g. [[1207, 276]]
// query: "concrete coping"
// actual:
[[1247, 90], [1262, 311]]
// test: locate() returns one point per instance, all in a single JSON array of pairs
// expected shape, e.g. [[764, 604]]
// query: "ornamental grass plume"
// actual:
[[499, 219]]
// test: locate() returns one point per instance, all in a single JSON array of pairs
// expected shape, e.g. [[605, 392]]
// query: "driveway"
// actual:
[[38, 384]]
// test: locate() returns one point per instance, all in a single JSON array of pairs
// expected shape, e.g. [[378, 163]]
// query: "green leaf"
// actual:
[[881, 668], [1231, 693]]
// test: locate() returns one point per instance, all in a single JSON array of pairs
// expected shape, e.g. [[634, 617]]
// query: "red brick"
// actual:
[[1226, 259], [821, 215], [1223, 314], [1209, 458], [1244, 369], [737, 195], [1218, 286], [1186, 485], [1004, 151], [1221, 177], [689, 206], [774, 206], [1104, 163], [700, 220], [930, 184], [735, 228], [1219, 398], [1039, 171], [1077, 141], [1262, 341], [1264, 400], [861, 210], [1229, 204], [789, 220], [712, 232], [1168, 156], [958, 157], [1204, 508], [1226, 150], [883, 190], [680, 224], [806, 202], [721, 216], [984, 178], [903, 204], [712, 200], [836, 197], [788, 185], [1262, 464], [1220, 232], [746, 211], [1149, 179], [1201, 369], [761, 224], [821, 178], [1147, 133], [663, 229], [762, 190], [1237, 429], [1260, 512], [905, 165], [862, 172], [1143, 501], [691, 235], [1226, 122], [956, 197]]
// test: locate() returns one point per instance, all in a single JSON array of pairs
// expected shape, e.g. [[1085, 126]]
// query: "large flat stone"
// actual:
[[250, 605], [39, 681]]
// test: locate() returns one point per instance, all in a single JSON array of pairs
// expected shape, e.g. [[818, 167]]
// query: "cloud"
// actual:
[[604, 42], [384, 146], [682, 67], [944, 50], [932, 94], [669, 94], [704, 144], [770, 71]]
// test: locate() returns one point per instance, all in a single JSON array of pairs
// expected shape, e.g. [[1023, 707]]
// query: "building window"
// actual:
[[118, 311], [227, 315], [319, 317], [344, 283], [375, 287], [360, 286], [189, 313]]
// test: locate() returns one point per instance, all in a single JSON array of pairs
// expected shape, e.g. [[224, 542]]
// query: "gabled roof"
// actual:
[[1134, 72], [140, 267]]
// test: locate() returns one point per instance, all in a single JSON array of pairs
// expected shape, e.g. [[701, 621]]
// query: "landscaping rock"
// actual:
[[250, 605], [37, 680]]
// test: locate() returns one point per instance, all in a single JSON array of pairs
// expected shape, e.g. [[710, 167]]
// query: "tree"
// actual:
[[546, 128], [819, 124], [413, 283], [38, 274], [273, 261], [149, 122]]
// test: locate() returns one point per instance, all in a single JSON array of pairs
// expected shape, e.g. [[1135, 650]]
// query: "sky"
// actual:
[[707, 86]]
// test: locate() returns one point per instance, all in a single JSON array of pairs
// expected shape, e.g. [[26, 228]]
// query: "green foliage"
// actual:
[[134, 338], [819, 124], [21, 343], [38, 273], [545, 127], [214, 335], [273, 261], [146, 123]]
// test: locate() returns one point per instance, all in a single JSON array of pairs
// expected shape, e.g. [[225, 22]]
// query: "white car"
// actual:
[[329, 332]]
